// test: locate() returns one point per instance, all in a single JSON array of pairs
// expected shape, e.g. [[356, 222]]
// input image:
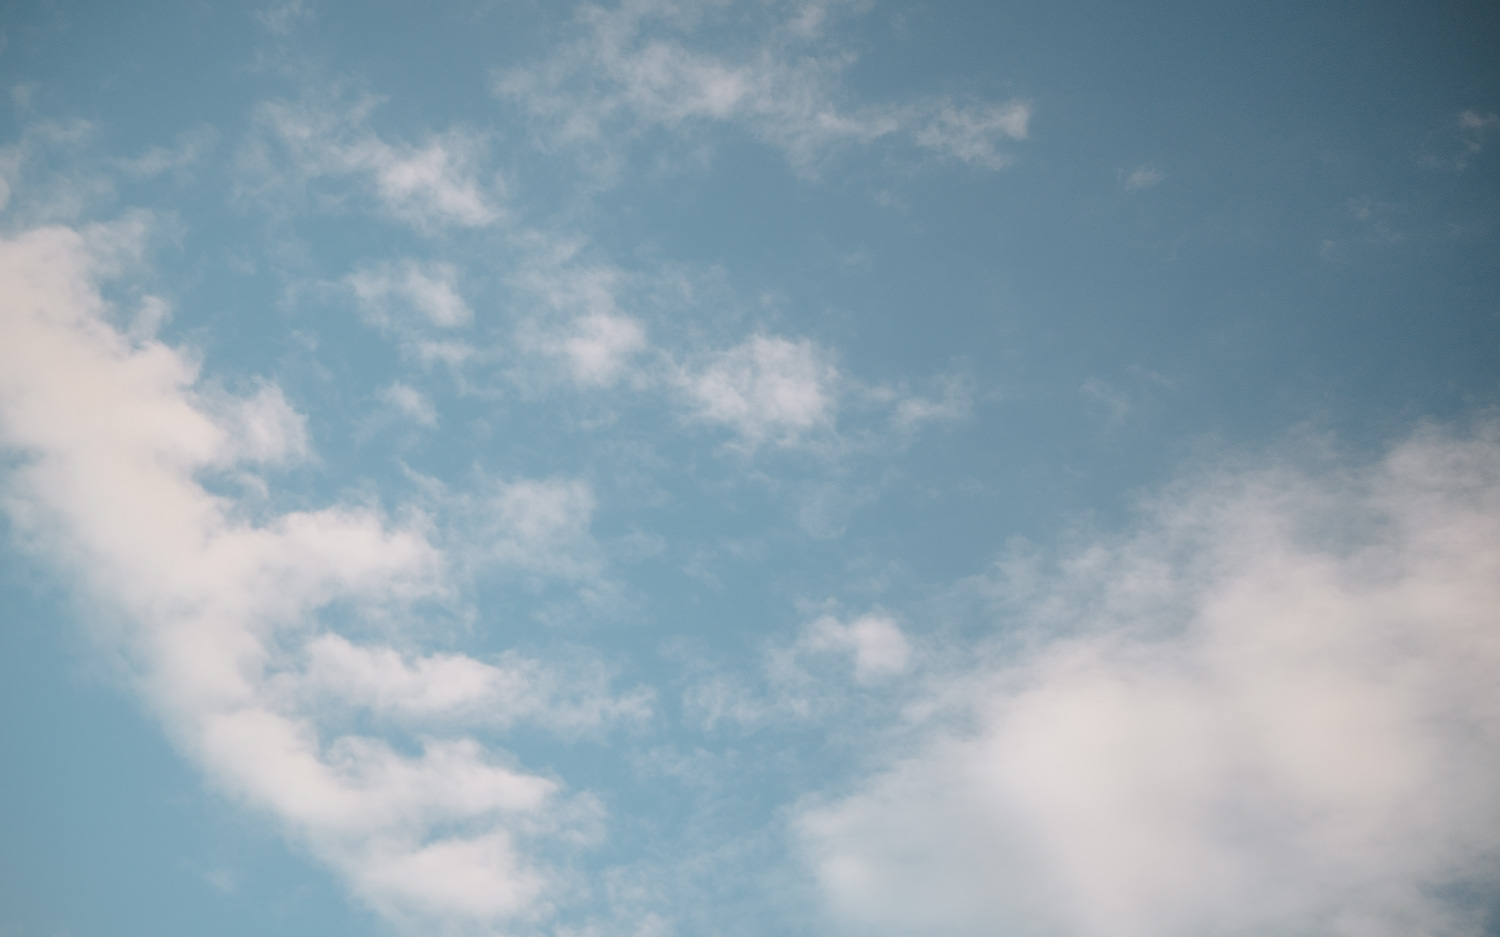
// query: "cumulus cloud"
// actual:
[[1271, 710], [636, 67], [111, 436], [431, 185], [767, 389]]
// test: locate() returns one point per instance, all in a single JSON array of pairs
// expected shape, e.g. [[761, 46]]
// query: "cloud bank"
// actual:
[[1273, 710]]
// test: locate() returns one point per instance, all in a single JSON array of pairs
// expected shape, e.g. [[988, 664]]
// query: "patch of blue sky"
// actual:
[[748, 468]]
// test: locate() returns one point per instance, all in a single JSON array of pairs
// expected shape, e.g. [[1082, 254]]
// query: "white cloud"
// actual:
[[410, 403], [580, 321], [633, 68], [543, 525], [430, 186], [386, 292], [599, 346], [767, 389], [875, 642], [1271, 711], [454, 689], [112, 434], [45, 176]]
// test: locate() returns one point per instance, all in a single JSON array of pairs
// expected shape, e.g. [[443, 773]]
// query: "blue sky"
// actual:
[[749, 468]]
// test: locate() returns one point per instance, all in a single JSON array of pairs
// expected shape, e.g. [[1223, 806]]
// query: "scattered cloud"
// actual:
[[635, 67], [955, 404], [409, 403], [766, 389], [878, 647], [388, 292], [280, 19], [578, 318], [432, 185], [1455, 147], [1271, 707], [188, 149]]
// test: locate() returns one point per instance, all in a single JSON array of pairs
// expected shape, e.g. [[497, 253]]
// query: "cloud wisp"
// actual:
[[648, 65], [430, 186], [1273, 708]]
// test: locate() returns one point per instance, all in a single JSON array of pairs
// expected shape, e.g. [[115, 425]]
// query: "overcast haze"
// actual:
[[779, 467]]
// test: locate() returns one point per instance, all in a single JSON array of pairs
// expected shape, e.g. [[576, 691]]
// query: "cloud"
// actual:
[[410, 403], [389, 291], [954, 405], [457, 690], [541, 526], [767, 389], [807, 680], [634, 68], [219, 610], [875, 642], [430, 186], [579, 320], [1143, 177], [1270, 710], [189, 147], [45, 176]]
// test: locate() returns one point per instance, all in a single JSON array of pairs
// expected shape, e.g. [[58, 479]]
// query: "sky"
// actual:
[[749, 467]]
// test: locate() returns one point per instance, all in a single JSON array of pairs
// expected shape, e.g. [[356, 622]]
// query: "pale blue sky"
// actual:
[[749, 468]]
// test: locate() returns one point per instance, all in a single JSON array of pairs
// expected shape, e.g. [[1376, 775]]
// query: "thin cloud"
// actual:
[[430, 185], [637, 67]]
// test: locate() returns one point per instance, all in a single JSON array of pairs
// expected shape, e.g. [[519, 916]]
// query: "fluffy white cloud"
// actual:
[[634, 68], [767, 389], [113, 433], [1272, 710]]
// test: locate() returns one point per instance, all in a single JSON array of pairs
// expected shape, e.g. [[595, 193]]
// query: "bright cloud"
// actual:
[[115, 435], [1272, 708], [767, 389], [876, 644]]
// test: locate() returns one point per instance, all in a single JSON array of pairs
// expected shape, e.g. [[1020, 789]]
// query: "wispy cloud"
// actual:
[[644, 65], [1142, 177], [1273, 704], [430, 185], [388, 292]]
